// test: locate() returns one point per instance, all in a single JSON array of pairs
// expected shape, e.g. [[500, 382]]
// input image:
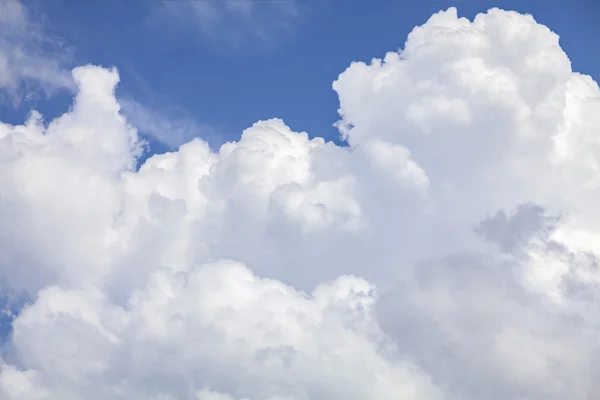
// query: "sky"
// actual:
[[216, 84], [299, 200]]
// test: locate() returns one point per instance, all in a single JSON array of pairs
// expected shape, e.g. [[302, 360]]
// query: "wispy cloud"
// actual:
[[30, 59], [171, 127], [33, 62], [230, 22]]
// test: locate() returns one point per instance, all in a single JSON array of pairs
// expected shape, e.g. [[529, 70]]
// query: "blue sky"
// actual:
[[222, 79]]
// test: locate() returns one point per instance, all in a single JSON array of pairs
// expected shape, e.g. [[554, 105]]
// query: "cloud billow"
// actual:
[[424, 261]]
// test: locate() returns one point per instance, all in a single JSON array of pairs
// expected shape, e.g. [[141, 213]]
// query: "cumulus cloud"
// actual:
[[449, 252]]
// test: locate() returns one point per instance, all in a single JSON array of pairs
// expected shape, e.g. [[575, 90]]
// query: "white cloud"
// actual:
[[214, 326], [285, 267]]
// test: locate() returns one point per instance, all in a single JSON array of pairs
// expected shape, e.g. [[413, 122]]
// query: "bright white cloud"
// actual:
[[447, 253]]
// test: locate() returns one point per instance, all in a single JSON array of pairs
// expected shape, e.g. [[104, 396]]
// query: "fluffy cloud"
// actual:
[[450, 252]]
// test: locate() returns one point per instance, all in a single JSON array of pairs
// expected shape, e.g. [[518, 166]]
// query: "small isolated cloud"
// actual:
[[29, 59], [449, 252], [229, 22]]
